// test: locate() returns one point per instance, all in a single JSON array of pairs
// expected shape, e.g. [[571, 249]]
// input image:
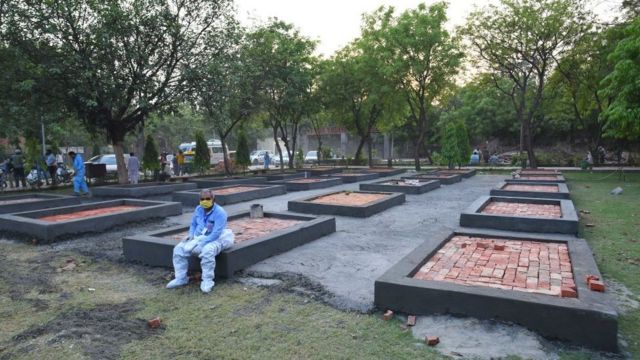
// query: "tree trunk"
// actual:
[[369, 150], [118, 149], [227, 168], [358, 154], [275, 139]]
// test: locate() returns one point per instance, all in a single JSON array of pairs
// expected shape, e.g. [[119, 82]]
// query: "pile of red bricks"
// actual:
[[522, 265], [520, 209], [89, 213], [233, 190], [348, 198], [526, 187]]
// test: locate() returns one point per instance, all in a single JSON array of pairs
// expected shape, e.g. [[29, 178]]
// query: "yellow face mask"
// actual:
[[207, 204]]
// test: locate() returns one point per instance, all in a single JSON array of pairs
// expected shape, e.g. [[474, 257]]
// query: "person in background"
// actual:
[[180, 159], [133, 168], [475, 157], [79, 183], [208, 237], [17, 161], [267, 160], [52, 166], [176, 166]]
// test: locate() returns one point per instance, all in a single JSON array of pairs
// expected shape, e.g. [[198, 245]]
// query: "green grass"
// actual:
[[614, 237]]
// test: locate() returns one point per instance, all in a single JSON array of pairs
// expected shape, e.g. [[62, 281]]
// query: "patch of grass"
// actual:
[[613, 235]]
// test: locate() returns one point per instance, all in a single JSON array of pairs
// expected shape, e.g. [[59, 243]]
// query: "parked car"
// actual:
[[311, 157], [109, 160], [257, 156], [276, 159]]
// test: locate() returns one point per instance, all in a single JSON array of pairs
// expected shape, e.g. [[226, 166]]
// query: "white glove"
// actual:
[[190, 245]]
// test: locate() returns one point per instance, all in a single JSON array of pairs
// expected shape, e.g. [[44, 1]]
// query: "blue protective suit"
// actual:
[[79, 182], [205, 230]]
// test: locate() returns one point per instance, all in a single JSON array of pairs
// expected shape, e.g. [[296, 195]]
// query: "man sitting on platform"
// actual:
[[208, 237]]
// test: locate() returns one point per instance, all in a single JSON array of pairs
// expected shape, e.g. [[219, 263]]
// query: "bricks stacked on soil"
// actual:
[[528, 187], [348, 198], [520, 209], [521, 265], [233, 190], [88, 213], [247, 228]]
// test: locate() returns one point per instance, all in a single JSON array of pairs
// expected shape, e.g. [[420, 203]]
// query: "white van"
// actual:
[[215, 151]]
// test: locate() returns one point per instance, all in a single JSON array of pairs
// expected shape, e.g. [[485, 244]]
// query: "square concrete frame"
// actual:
[[446, 180], [559, 179], [46, 201], [567, 224], [421, 188], [466, 173], [27, 223], [191, 198], [155, 249], [526, 172], [285, 176], [348, 178], [306, 206], [563, 191], [323, 170], [214, 182], [140, 190], [589, 320], [324, 182], [385, 171]]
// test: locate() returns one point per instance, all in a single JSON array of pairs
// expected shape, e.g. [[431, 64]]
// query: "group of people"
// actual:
[[15, 166]]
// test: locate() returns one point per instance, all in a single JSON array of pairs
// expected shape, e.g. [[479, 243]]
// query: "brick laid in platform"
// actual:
[[403, 186], [231, 194], [522, 214], [348, 203], [26, 202], [211, 182], [506, 276], [311, 183], [537, 179], [348, 178], [532, 190], [255, 240], [445, 179], [49, 225], [140, 190]]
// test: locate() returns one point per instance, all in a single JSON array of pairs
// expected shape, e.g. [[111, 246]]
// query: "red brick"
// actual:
[[388, 315], [432, 340], [154, 323], [498, 247], [411, 320], [589, 278], [568, 292], [596, 285]]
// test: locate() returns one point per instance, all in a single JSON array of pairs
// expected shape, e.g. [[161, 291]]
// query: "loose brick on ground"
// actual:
[[596, 285], [522, 265], [388, 315], [432, 340], [523, 209], [89, 213]]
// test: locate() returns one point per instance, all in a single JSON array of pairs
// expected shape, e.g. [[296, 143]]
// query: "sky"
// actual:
[[334, 23]]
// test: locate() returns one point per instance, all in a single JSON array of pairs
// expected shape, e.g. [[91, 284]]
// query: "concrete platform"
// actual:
[[307, 206], [445, 179], [349, 178], [324, 170], [30, 223], [140, 190], [302, 185], [285, 176], [191, 198], [532, 190], [27, 202], [528, 171], [476, 215], [385, 171], [396, 185], [215, 182], [466, 173], [537, 179], [156, 248], [588, 320]]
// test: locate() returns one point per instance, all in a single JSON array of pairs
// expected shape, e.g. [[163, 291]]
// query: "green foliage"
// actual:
[[623, 85], [243, 156], [299, 158], [455, 144], [33, 154], [201, 158], [150, 158]]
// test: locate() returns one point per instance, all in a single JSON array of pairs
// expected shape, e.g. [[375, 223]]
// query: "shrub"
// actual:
[[201, 158], [243, 157], [150, 159]]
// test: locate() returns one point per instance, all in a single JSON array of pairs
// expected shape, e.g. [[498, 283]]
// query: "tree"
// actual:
[[150, 157], [455, 144], [201, 159], [521, 40], [420, 55], [242, 151], [623, 86], [121, 60]]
